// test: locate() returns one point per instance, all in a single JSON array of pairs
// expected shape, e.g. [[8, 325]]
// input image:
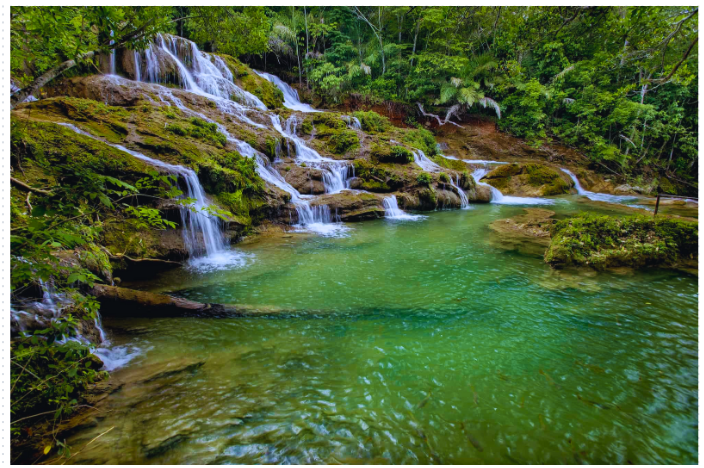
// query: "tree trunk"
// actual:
[[23, 93]]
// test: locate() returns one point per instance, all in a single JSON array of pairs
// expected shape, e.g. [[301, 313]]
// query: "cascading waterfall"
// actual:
[[112, 55], [352, 122], [424, 163], [464, 201], [393, 212], [499, 198], [202, 233], [291, 99], [604, 197], [336, 174], [137, 64]]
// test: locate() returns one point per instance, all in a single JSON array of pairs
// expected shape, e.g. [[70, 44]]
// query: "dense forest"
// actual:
[[619, 83]]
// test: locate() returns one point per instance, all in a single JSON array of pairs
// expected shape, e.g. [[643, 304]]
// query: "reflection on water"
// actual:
[[427, 345]]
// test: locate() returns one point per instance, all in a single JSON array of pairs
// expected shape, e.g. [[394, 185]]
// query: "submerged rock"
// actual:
[[349, 205], [527, 233]]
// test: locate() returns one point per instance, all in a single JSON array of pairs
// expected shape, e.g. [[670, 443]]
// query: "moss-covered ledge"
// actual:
[[603, 242]]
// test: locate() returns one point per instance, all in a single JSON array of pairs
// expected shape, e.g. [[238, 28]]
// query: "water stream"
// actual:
[[500, 199], [409, 343], [291, 99]]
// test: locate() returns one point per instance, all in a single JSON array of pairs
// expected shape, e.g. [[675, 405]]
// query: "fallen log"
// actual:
[[124, 302]]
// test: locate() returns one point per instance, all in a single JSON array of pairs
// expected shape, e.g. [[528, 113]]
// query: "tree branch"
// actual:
[[686, 54], [26, 188]]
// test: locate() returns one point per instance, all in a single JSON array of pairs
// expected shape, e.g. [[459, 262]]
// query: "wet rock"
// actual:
[[483, 194], [528, 180], [306, 180], [352, 206]]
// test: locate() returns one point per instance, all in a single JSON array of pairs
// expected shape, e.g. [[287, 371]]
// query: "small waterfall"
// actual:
[[202, 234], [112, 55], [424, 163], [604, 197], [352, 122], [336, 174], [392, 211], [499, 198], [291, 99], [137, 64], [464, 201]]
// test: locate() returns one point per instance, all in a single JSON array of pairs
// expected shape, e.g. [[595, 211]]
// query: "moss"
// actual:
[[46, 143], [375, 178], [247, 79], [306, 127], [533, 175], [454, 164], [444, 178], [428, 197], [372, 122], [270, 146], [422, 139], [177, 130], [637, 241], [393, 154], [343, 141], [329, 119]]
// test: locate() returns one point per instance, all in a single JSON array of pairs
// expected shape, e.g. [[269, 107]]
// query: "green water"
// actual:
[[414, 342]]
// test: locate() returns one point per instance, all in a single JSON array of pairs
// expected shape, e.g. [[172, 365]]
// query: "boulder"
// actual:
[[306, 180], [528, 180], [352, 206]]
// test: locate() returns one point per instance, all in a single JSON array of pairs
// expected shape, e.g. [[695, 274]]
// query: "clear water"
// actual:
[[415, 342]]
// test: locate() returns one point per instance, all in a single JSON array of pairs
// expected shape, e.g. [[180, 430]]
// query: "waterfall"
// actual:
[[500, 199], [336, 174], [202, 233], [112, 55], [424, 163], [352, 122], [392, 211], [604, 197], [464, 201], [137, 64], [291, 99]]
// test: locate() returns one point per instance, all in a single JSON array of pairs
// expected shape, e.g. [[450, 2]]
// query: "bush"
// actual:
[[342, 141], [424, 178], [176, 129], [605, 241], [372, 122]]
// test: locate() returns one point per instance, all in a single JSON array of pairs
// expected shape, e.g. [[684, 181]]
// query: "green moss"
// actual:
[[638, 241], [372, 122], [329, 120], [428, 197], [393, 154], [454, 164], [247, 79], [177, 130], [375, 178], [343, 141], [270, 145], [307, 126], [444, 178], [422, 139]]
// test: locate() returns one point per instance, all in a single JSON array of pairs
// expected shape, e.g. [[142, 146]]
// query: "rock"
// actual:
[[352, 206], [528, 180], [624, 188], [483, 194], [528, 233], [305, 179]]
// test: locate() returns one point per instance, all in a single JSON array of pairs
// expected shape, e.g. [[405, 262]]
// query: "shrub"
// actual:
[[176, 129], [372, 122], [424, 178]]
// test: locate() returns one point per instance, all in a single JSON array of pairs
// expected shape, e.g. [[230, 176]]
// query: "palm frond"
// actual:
[[488, 102], [562, 74]]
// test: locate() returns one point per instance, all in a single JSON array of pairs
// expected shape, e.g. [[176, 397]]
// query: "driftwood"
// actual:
[[449, 114]]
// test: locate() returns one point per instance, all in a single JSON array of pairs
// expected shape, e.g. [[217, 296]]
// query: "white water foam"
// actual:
[[498, 198], [394, 213], [604, 197]]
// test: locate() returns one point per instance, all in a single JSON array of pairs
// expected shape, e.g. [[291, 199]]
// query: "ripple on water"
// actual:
[[426, 343]]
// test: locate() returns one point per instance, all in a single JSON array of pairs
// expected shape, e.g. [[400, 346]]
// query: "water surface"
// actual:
[[409, 342]]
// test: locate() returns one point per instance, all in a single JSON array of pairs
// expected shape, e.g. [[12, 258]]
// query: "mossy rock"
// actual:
[[329, 119], [372, 122], [422, 139], [247, 79], [636, 241], [532, 180], [395, 154]]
